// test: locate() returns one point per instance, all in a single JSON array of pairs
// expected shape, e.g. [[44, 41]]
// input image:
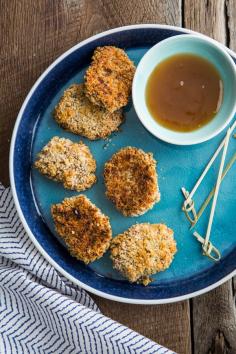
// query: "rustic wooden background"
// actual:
[[32, 35]]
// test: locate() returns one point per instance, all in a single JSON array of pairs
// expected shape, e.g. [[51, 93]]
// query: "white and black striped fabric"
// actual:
[[42, 312]]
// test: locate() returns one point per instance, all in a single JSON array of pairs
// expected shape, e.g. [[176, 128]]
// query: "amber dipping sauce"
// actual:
[[184, 92]]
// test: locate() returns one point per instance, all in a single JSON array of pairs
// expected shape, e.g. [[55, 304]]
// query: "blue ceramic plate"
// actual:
[[190, 273]]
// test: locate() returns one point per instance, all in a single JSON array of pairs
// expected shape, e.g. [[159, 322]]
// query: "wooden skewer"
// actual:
[[218, 182], [211, 194], [207, 247], [209, 165], [188, 205]]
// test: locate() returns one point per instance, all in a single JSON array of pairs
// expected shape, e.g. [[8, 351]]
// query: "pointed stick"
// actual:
[[218, 182], [211, 194], [210, 163]]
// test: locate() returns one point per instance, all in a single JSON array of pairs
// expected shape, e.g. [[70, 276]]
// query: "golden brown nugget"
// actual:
[[85, 230], [108, 79], [143, 250], [77, 114], [67, 162], [131, 181]]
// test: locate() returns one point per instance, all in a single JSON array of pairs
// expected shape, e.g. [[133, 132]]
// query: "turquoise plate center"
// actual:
[[177, 166]]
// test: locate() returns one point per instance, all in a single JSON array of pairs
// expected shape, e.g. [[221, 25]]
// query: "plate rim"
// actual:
[[14, 192]]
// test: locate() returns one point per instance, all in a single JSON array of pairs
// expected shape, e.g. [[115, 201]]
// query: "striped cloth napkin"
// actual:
[[42, 312]]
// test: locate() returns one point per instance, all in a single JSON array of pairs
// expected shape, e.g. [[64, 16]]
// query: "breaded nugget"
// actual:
[[131, 181], [109, 78], [67, 162], [143, 250], [77, 114], [85, 230]]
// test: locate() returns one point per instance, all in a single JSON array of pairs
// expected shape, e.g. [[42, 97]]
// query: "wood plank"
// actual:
[[123, 12], [33, 34], [206, 16], [215, 321], [214, 316], [230, 14], [169, 324]]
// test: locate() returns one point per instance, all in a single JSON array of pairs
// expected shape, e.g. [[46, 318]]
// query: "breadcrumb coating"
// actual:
[[108, 79], [84, 228], [77, 114], [70, 163], [131, 181], [143, 250]]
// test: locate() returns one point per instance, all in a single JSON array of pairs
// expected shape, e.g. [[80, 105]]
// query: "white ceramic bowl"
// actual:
[[192, 44]]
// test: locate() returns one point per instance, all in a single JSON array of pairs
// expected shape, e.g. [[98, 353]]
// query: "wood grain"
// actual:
[[123, 12], [167, 324], [206, 16], [230, 13], [215, 322], [214, 314]]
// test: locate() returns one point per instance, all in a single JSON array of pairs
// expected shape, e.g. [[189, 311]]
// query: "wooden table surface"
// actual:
[[33, 34]]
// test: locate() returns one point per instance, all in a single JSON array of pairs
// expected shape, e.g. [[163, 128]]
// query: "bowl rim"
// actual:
[[20, 212], [179, 140]]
